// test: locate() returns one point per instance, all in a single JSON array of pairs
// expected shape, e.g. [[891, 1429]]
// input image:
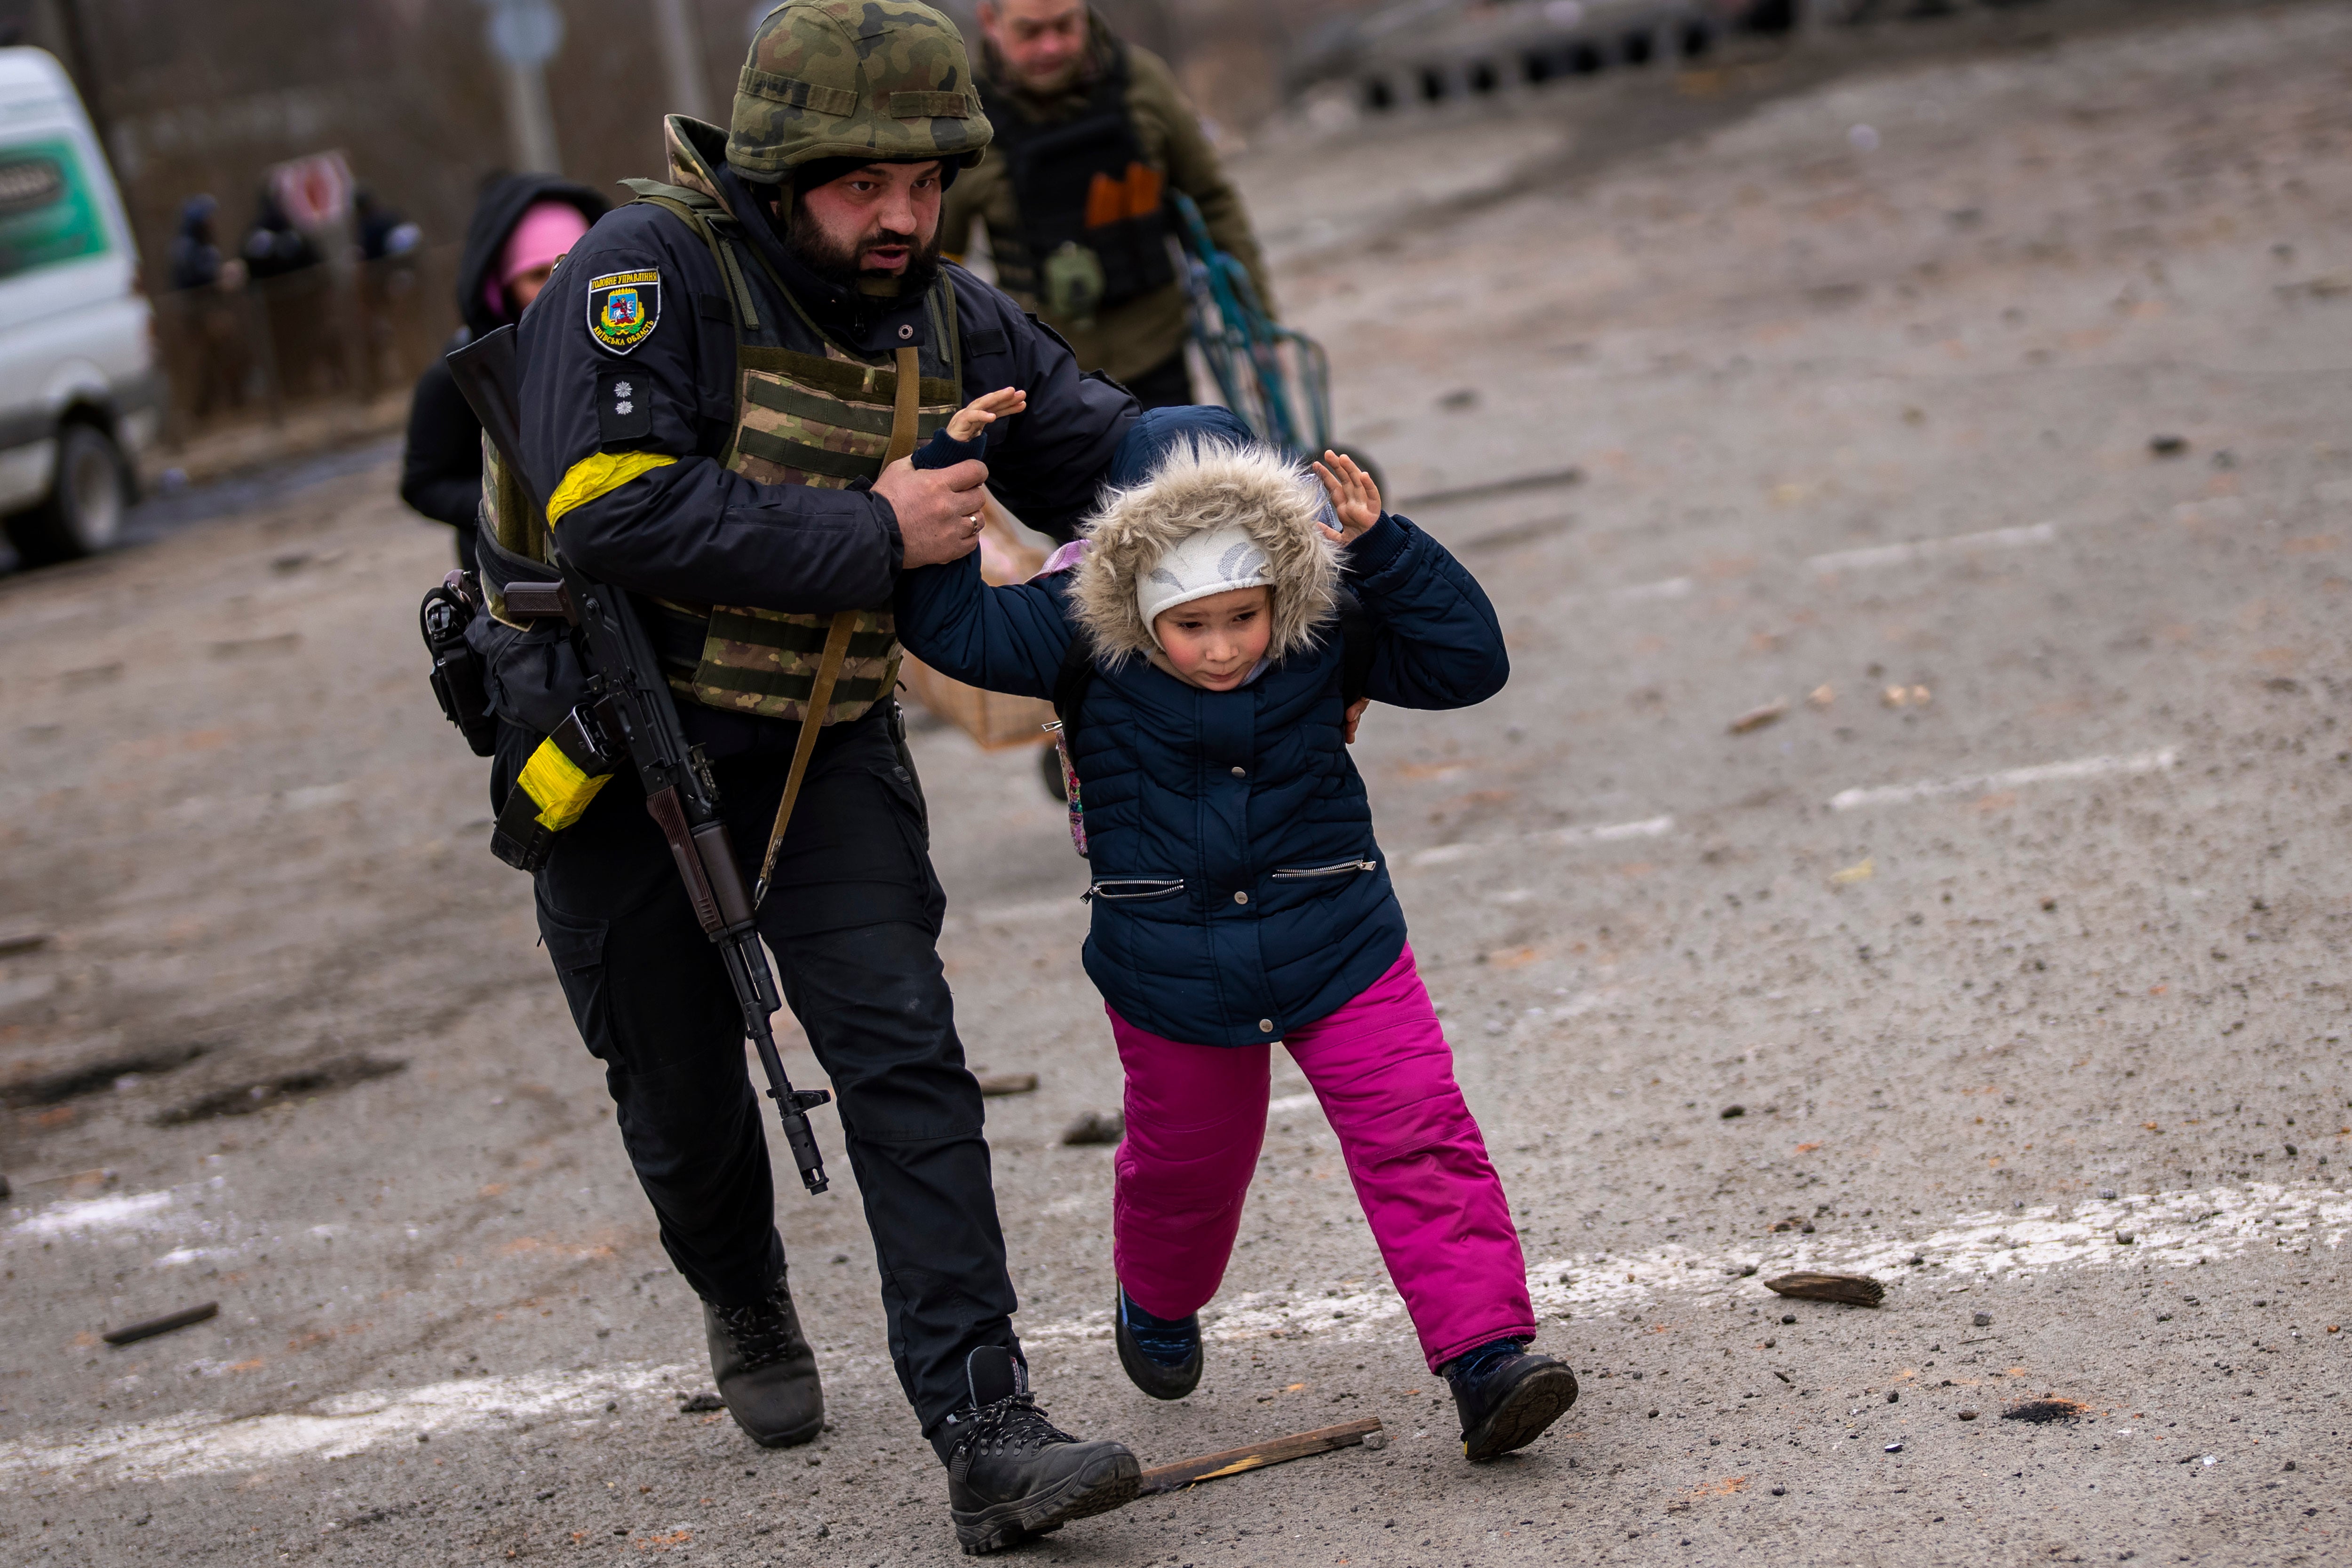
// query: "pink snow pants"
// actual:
[[1380, 1066]]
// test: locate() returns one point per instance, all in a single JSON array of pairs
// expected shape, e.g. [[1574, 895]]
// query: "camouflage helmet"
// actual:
[[879, 80]]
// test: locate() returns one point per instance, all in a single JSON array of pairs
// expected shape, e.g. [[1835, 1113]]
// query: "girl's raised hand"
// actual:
[[983, 411], [1354, 497]]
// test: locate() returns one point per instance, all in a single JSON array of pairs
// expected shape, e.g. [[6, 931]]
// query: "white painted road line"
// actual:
[[1928, 550], [1561, 838], [2171, 1229], [2013, 778]]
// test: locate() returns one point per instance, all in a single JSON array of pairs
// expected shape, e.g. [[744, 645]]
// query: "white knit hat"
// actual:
[[1217, 561]]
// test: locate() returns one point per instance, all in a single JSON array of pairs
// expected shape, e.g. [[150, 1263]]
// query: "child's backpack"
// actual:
[[1358, 644]]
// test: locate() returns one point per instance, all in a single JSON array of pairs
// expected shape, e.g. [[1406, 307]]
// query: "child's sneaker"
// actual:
[[1162, 1355], [1507, 1396]]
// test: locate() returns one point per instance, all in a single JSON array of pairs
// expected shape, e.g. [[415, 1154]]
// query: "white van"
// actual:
[[80, 395]]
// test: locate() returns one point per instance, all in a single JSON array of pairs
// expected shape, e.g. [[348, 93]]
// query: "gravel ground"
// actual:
[[2005, 963]]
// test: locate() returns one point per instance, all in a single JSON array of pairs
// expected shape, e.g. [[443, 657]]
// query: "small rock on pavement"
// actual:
[[1852, 1290], [1983, 1320], [699, 1404], [2168, 445], [1968, 1415], [996, 1083], [1097, 1127], [2039, 1412], [1757, 717], [1894, 1447], [1731, 1113]]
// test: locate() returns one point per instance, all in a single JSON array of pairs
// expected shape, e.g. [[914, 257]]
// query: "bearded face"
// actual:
[[848, 259]]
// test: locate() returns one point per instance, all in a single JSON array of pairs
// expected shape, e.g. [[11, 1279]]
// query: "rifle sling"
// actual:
[[836, 640]]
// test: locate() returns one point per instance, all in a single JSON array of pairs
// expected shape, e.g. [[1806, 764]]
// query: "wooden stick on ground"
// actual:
[[1257, 1455]]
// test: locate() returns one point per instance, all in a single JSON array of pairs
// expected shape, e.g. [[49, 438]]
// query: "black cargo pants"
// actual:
[[853, 922]]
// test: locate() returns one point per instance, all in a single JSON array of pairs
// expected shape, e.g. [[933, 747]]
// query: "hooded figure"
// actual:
[[522, 225]]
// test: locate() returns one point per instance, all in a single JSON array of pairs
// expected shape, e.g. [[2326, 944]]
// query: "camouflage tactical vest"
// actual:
[[806, 415]]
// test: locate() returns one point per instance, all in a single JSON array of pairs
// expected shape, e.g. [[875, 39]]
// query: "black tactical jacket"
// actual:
[[695, 532]]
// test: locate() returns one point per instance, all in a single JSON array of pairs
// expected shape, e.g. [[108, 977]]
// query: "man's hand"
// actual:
[[939, 509]]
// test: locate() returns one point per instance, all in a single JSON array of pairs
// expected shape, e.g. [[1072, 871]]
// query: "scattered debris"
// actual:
[[1097, 1127], [1733, 1112], [1757, 717], [1821, 696], [1981, 1320], [15, 942], [245, 1099], [1906, 696], [1968, 1415], [165, 1325], [2039, 1411], [996, 1083], [72, 1082], [1894, 1447], [2168, 445], [1257, 1455], [1862, 872], [1852, 1289], [700, 1404]]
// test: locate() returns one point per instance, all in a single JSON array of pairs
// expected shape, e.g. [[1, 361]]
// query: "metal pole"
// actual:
[[681, 47], [530, 119], [525, 35]]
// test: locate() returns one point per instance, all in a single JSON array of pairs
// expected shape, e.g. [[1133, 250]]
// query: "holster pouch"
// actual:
[[554, 789], [446, 619]]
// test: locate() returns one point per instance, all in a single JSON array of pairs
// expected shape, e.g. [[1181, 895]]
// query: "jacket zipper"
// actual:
[[1342, 868], [1133, 889]]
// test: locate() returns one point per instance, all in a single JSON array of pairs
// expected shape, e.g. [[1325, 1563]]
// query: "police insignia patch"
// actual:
[[624, 307]]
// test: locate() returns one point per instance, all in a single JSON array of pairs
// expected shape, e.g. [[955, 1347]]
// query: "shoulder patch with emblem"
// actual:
[[623, 308]]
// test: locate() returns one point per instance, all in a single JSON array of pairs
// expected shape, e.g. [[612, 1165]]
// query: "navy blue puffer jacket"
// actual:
[[1238, 892]]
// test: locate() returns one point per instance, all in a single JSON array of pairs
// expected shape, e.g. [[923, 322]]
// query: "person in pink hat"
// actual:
[[523, 225]]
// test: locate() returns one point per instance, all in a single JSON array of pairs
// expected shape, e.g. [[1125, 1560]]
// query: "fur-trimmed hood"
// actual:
[[1198, 485]]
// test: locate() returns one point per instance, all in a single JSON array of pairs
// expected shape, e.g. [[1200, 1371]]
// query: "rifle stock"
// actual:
[[630, 703]]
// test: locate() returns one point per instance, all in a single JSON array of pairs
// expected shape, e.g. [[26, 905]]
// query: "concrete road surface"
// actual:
[[1912, 843]]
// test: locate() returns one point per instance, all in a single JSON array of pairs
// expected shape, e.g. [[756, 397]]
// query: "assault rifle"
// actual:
[[630, 716]]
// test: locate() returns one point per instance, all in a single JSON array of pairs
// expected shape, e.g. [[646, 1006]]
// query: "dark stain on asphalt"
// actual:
[[245, 1099], [72, 1082]]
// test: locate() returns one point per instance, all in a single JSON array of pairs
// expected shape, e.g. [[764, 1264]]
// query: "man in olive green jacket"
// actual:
[[1091, 134]]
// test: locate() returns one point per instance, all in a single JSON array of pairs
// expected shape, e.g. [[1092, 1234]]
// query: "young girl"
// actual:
[[1239, 899]]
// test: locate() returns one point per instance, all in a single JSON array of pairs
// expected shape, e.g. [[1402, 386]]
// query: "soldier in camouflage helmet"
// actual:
[[718, 386], [1091, 133]]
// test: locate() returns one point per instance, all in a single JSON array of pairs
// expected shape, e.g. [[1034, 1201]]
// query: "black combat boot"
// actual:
[[1011, 1474], [1162, 1355], [766, 1371], [1507, 1396]]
